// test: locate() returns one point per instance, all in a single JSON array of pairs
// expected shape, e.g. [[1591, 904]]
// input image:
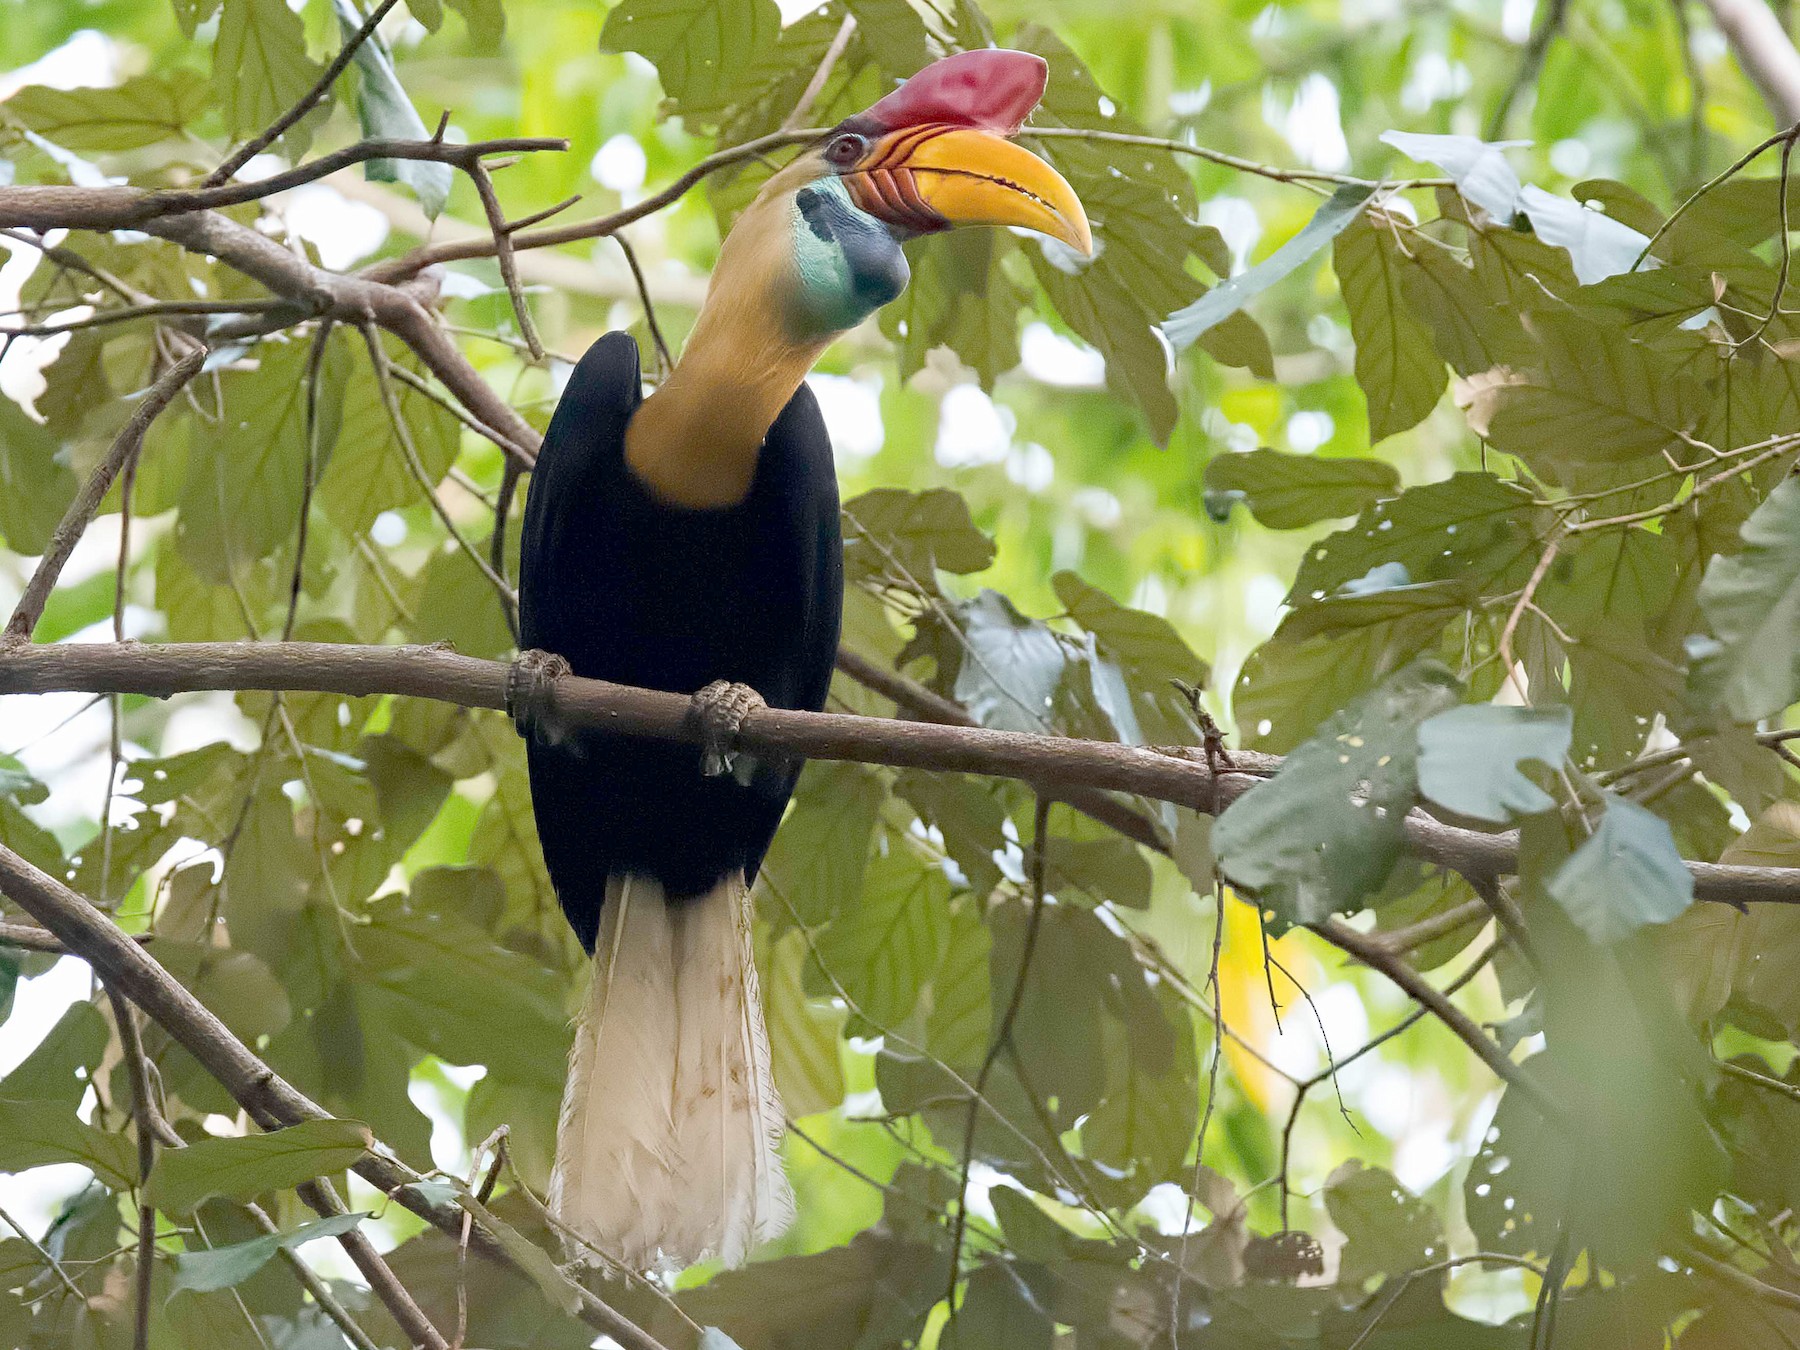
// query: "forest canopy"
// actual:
[[1303, 849]]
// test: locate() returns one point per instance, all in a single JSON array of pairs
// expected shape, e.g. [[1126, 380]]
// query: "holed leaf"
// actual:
[[1321, 835]]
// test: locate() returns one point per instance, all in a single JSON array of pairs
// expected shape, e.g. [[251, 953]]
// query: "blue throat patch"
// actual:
[[850, 264]]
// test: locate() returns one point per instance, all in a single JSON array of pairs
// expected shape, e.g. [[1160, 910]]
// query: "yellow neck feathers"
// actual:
[[695, 441]]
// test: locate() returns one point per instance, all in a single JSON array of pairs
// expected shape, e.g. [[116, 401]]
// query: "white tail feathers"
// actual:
[[667, 1151]]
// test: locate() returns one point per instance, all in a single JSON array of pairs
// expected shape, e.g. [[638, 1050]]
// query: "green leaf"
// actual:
[[960, 1022], [260, 65], [1010, 667], [1471, 525], [1469, 758], [999, 1311], [18, 783], [1467, 328], [1752, 601], [1146, 645], [252, 1164], [368, 473], [960, 298], [1321, 836], [62, 1066], [1625, 875], [142, 111], [1399, 370], [226, 1267], [803, 1033], [1591, 396], [1184, 326], [387, 112], [1287, 492], [1108, 317], [700, 48], [243, 490], [816, 862], [884, 944], [36, 485], [1389, 1230], [907, 536], [37, 1133]]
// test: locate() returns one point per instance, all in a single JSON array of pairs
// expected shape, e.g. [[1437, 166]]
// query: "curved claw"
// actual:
[[720, 710], [530, 694]]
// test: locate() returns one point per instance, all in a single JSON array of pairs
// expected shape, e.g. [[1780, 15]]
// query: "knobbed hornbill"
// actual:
[[688, 541]]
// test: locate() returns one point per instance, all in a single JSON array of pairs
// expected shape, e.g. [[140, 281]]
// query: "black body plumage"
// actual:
[[630, 588]]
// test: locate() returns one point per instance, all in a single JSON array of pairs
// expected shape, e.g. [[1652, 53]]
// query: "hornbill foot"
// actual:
[[530, 694], [720, 710]]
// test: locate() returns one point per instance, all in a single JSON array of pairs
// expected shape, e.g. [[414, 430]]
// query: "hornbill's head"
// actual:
[[819, 250], [930, 156]]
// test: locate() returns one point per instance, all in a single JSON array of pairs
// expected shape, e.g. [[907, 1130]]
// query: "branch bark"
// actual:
[[269, 1099], [1057, 764]]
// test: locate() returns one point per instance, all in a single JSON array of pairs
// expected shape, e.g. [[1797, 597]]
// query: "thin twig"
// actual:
[[68, 533], [509, 602], [503, 251], [665, 362], [816, 85], [1001, 1039], [276, 129], [143, 1109]]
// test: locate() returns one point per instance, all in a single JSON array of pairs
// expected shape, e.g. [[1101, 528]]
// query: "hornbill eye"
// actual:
[[845, 150]]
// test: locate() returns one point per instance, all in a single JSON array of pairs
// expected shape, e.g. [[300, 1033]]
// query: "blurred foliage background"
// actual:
[[1054, 514]]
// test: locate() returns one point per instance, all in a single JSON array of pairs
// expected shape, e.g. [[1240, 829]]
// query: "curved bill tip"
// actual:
[[970, 177]]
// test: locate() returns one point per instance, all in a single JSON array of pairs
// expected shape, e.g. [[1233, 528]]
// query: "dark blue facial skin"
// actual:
[[850, 263]]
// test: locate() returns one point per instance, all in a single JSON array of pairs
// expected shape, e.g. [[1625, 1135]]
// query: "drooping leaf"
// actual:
[[36, 484], [1469, 758], [700, 48], [803, 1033], [959, 1024], [226, 1267], [368, 472], [260, 65], [907, 535], [1592, 395], [251, 1164], [142, 111], [1321, 835], [1397, 366], [1185, 326], [1288, 492], [37, 1133], [883, 945], [1752, 601], [816, 863], [62, 1065], [1011, 666], [1625, 875], [960, 298], [1390, 1231], [387, 112], [999, 1311]]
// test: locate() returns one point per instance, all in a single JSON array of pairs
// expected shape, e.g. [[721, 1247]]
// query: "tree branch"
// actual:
[[269, 1099], [1057, 763], [250, 149]]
